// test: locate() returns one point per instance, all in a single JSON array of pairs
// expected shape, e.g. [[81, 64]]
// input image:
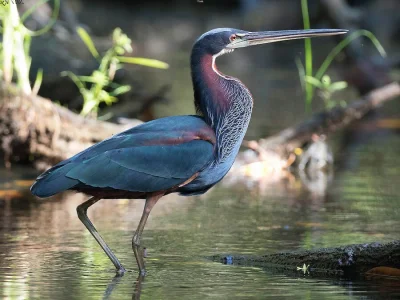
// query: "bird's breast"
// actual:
[[231, 127]]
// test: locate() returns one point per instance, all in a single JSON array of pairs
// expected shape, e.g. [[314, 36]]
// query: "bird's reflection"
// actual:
[[111, 287], [138, 287]]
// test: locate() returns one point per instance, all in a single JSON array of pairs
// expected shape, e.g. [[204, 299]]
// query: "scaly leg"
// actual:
[[150, 202], [82, 214]]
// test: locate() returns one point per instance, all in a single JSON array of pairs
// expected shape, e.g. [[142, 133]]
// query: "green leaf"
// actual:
[[153, 63], [38, 82], [343, 44], [89, 106], [326, 81], [313, 81], [120, 39], [116, 34], [74, 78], [121, 90], [100, 78], [308, 57], [302, 72], [106, 97], [88, 42], [119, 50], [338, 86], [96, 78]]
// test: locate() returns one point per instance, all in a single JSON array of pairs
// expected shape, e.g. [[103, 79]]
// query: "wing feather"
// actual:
[[154, 156]]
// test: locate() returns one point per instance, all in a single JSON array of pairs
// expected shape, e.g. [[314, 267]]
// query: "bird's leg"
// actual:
[[150, 202], [82, 214]]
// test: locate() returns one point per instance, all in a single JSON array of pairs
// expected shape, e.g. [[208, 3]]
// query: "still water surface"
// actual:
[[46, 253]]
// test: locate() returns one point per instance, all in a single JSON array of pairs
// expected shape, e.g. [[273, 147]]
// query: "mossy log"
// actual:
[[35, 129], [341, 261]]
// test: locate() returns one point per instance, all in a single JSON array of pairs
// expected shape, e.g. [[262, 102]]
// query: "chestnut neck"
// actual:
[[224, 102]]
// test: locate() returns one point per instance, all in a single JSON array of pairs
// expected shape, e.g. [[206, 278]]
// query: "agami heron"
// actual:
[[180, 154]]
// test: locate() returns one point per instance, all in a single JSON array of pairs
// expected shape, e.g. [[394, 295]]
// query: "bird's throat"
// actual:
[[216, 93], [224, 101]]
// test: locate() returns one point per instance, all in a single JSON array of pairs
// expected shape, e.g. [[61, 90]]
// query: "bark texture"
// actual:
[[35, 129]]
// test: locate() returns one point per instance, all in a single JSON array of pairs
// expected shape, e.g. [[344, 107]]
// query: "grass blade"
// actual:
[[88, 42], [153, 63], [307, 56], [75, 79], [38, 82], [302, 72], [343, 44]]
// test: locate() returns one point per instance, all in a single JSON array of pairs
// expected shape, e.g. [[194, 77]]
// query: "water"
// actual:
[[46, 253]]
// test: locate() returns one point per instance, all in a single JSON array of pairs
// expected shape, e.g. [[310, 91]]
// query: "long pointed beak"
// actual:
[[264, 37]]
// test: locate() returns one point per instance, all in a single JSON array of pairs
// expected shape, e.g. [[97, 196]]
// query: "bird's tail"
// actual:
[[54, 181]]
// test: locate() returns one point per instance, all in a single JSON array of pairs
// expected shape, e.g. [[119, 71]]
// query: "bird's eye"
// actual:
[[232, 37]]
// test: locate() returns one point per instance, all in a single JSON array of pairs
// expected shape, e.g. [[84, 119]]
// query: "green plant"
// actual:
[[304, 268], [16, 44], [308, 70], [326, 90], [309, 81], [99, 86]]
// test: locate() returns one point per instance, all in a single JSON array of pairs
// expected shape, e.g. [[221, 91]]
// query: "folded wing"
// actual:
[[154, 156]]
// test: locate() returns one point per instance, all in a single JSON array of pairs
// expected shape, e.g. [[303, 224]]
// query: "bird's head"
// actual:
[[224, 40]]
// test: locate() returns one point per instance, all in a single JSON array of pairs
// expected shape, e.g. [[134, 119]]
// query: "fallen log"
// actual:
[[328, 122], [35, 129], [351, 260], [270, 159]]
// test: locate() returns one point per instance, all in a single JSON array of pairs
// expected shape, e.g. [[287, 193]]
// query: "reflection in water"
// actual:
[[317, 182], [112, 286], [117, 279], [46, 253], [138, 287]]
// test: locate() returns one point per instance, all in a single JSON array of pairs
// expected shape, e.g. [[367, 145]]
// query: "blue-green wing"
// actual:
[[154, 156]]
